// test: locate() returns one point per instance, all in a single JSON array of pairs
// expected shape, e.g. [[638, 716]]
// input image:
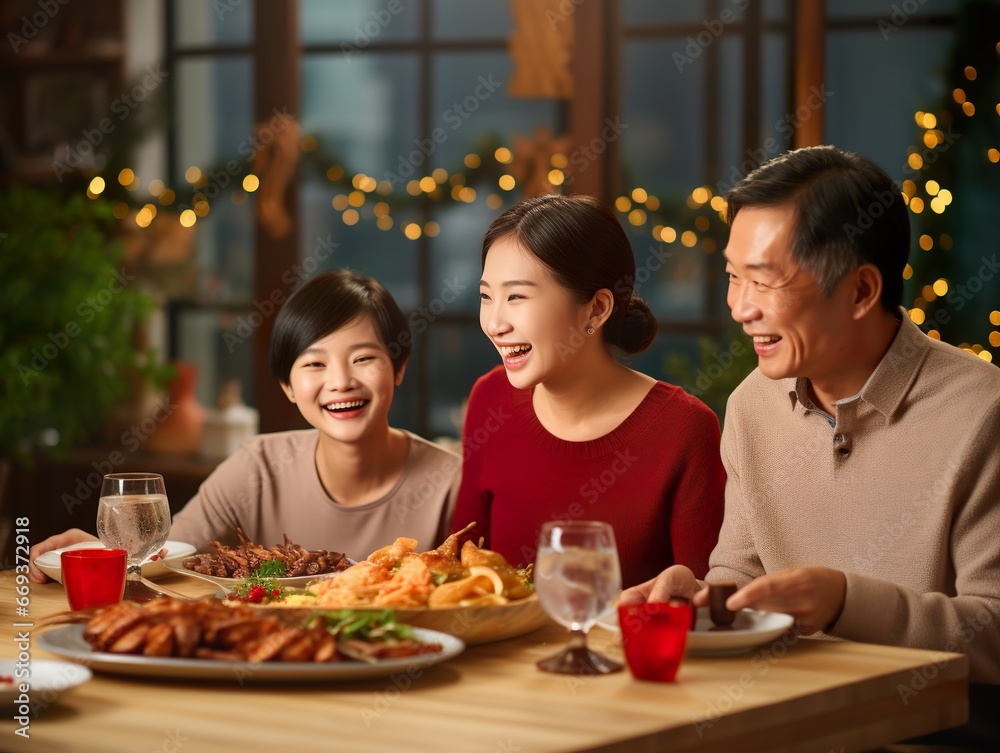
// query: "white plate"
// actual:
[[48, 679], [176, 564], [50, 564], [752, 628], [68, 642]]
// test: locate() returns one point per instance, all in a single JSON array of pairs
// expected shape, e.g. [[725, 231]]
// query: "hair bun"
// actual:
[[634, 329]]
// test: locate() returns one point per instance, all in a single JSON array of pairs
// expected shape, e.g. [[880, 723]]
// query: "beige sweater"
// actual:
[[903, 495], [270, 487]]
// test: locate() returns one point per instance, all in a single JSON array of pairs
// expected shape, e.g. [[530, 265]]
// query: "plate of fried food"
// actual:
[[465, 591], [288, 565], [205, 639]]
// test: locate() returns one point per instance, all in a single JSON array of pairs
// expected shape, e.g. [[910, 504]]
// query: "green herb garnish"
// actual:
[[365, 625]]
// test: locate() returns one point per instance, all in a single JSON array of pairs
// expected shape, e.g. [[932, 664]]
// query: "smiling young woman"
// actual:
[[564, 431]]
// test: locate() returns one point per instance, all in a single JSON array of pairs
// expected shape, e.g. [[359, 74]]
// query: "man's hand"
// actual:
[[676, 580], [60, 540], [814, 596]]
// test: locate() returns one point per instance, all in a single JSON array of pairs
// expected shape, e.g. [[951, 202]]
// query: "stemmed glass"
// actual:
[[577, 577], [133, 515]]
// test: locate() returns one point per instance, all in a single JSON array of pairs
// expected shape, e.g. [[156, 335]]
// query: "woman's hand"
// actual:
[[676, 580]]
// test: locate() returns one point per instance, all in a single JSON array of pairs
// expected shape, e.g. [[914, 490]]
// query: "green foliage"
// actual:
[[68, 313], [722, 364]]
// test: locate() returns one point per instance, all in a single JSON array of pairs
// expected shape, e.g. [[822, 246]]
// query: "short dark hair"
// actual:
[[325, 304], [582, 243], [848, 212]]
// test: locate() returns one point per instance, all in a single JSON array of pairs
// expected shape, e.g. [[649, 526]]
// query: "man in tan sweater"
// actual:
[[863, 462]]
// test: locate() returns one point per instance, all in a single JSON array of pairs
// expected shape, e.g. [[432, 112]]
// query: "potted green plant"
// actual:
[[69, 312]]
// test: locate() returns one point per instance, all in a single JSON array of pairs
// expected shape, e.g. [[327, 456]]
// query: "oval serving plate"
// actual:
[[51, 564], [176, 564]]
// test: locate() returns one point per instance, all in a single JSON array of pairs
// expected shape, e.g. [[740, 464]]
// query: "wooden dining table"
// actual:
[[790, 694]]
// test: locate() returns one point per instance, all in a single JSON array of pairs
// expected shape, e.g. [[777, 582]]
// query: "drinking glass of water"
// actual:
[[133, 515], [577, 577]]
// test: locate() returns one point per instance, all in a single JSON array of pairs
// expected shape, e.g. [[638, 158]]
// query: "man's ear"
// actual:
[[401, 372], [867, 290], [289, 393]]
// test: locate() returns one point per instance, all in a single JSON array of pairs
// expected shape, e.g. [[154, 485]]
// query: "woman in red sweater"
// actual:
[[562, 430]]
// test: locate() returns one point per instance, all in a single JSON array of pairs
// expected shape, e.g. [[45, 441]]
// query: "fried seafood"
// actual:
[[241, 561], [168, 627]]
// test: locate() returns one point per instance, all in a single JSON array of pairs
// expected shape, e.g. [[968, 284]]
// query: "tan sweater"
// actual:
[[271, 487], [903, 495]]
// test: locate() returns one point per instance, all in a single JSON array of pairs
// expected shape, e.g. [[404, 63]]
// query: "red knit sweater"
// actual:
[[657, 478]]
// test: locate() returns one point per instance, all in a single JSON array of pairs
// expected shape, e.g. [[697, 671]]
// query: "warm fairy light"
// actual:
[[970, 73], [995, 339], [188, 218], [412, 231], [155, 187], [427, 184], [926, 242], [384, 223], [945, 195], [440, 175], [494, 201], [928, 294], [506, 182], [340, 202], [467, 194], [668, 235], [503, 155], [381, 209], [652, 203], [701, 223], [201, 208], [932, 187], [993, 156], [637, 217], [457, 179], [919, 117], [639, 195], [718, 203], [251, 183], [456, 193], [934, 335], [917, 316], [938, 205], [167, 197], [126, 177], [998, 108], [334, 172], [559, 161], [941, 287], [995, 318], [986, 356], [143, 217], [413, 188], [930, 120], [930, 139], [915, 161], [121, 210], [432, 230], [383, 188], [945, 241], [309, 143], [969, 109], [959, 96], [688, 238], [701, 195], [920, 303], [369, 184], [907, 272], [622, 204], [356, 198], [351, 217], [357, 180], [916, 205], [472, 161], [909, 187], [193, 175], [556, 177], [96, 186]]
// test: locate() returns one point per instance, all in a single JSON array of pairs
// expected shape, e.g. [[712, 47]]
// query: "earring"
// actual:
[[590, 330]]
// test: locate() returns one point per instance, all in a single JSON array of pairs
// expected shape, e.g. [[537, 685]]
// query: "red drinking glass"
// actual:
[[93, 577], [654, 636]]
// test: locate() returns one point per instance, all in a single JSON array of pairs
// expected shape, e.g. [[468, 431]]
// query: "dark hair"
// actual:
[[581, 242], [848, 213], [325, 304]]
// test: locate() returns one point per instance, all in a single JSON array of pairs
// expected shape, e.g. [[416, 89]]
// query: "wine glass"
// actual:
[[133, 515], [577, 577]]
